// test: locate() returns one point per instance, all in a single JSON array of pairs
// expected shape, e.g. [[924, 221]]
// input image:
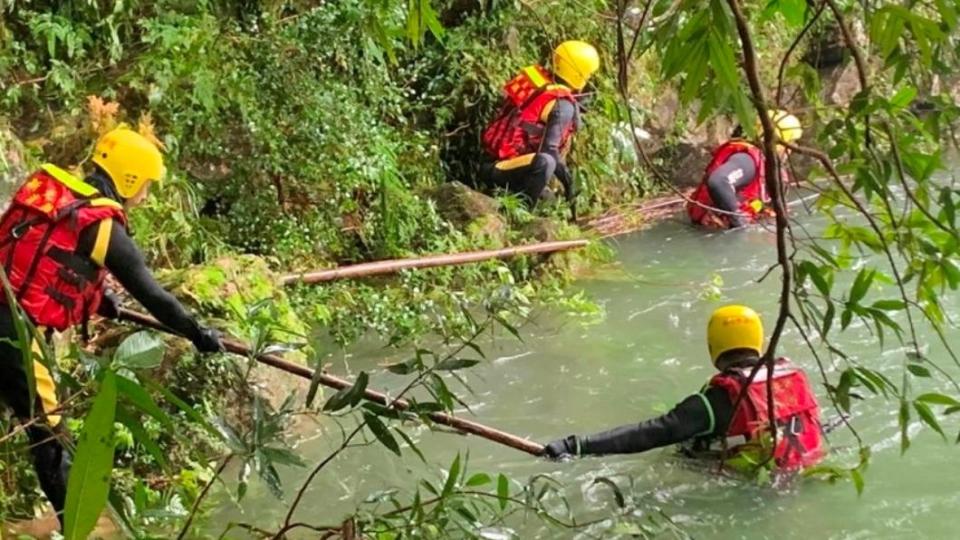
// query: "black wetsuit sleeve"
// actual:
[[559, 121], [125, 261], [703, 414]]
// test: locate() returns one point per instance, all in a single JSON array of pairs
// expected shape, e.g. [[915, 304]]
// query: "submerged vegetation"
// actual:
[[303, 135]]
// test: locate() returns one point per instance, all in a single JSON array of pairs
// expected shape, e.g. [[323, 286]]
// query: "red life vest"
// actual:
[[39, 233], [800, 440], [753, 197], [519, 126]]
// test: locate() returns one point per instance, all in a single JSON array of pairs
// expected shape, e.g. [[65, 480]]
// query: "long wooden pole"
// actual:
[[457, 423], [395, 265]]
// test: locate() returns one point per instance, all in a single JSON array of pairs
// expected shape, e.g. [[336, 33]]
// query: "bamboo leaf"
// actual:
[[381, 432], [314, 385], [843, 390], [479, 479], [452, 476], [413, 446], [857, 477], [918, 371], [934, 398], [348, 396], [861, 285], [889, 305], [903, 419], [89, 483], [927, 417], [503, 491], [403, 368], [453, 364]]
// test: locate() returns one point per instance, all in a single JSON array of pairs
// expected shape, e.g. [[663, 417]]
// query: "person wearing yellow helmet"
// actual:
[[735, 179], [528, 140], [59, 237], [730, 412]]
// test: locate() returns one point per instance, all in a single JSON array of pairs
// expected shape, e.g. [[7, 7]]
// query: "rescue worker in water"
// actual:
[[702, 421], [735, 179], [528, 141], [58, 238]]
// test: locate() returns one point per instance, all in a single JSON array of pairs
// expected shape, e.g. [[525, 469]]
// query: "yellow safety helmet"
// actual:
[[130, 160], [734, 327], [787, 125], [575, 62]]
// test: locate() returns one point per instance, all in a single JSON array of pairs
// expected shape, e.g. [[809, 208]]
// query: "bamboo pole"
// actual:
[[395, 265], [460, 424]]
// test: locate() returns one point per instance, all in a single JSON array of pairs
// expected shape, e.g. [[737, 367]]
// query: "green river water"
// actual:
[[647, 354]]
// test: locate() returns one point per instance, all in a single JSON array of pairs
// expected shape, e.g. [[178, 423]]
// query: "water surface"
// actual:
[[648, 354]]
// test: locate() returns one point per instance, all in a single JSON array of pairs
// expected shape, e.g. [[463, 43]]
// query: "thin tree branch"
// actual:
[[796, 42], [203, 494]]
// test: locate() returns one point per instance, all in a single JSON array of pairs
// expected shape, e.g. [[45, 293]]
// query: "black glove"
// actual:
[[208, 340], [561, 448], [109, 305]]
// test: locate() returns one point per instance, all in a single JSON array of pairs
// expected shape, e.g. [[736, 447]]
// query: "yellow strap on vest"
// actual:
[[533, 73], [46, 388], [515, 163], [99, 253], [545, 114], [104, 201], [547, 109], [78, 186]]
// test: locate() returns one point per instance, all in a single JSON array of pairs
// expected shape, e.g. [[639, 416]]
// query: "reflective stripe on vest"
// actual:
[[79, 187]]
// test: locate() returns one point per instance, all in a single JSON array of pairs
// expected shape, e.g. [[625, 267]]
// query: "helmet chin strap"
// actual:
[[104, 184]]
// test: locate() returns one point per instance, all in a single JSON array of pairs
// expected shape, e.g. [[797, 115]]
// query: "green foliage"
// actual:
[[296, 138], [89, 482], [305, 136]]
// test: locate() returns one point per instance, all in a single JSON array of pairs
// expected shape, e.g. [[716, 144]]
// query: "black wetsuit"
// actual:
[[125, 261], [530, 180], [690, 419], [727, 180]]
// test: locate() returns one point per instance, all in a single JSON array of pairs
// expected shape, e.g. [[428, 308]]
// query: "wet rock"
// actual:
[[841, 84], [827, 49], [684, 162], [461, 205], [663, 114]]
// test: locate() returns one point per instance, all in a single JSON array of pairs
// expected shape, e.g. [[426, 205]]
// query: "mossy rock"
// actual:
[[13, 162], [489, 231], [461, 205], [243, 292], [541, 229]]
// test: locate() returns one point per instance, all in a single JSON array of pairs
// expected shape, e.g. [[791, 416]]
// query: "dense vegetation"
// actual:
[[305, 134]]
